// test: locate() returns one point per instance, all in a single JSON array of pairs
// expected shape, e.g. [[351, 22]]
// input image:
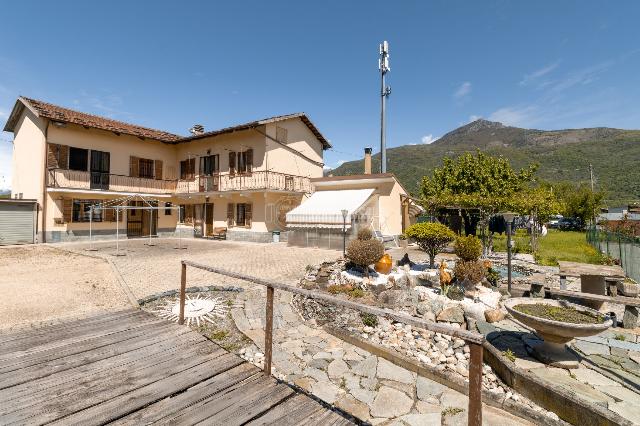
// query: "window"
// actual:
[[245, 161], [243, 214], [82, 211], [78, 159], [146, 168], [188, 168], [281, 134], [181, 213], [209, 165], [167, 209]]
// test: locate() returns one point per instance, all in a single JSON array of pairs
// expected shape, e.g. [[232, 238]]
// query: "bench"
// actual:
[[219, 233], [384, 238]]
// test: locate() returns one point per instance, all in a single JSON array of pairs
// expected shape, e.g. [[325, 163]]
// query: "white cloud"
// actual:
[[473, 118], [582, 77], [518, 116], [529, 78], [463, 90], [427, 139]]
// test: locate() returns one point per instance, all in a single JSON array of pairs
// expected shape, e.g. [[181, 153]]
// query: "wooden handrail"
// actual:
[[475, 340]]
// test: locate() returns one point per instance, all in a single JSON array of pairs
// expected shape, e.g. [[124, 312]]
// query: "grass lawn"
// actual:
[[555, 246]]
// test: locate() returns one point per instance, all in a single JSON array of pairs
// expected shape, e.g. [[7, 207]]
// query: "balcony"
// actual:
[[77, 179], [255, 181], [222, 182]]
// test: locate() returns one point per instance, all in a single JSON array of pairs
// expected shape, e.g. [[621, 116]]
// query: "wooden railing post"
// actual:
[[475, 385], [183, 287], [268, 333]]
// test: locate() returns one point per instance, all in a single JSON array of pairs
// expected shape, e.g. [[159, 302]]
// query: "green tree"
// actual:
[[579, 200], [430, 237]]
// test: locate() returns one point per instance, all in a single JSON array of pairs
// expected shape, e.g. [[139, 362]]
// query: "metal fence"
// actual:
[[618, 246]]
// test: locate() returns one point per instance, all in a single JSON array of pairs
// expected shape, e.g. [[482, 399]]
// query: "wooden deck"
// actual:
[[130, 367]]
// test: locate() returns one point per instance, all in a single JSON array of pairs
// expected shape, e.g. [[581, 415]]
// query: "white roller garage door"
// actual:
[[17, 222]]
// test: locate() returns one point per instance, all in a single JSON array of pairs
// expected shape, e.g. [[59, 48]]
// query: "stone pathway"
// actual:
[[608, 375], [369, 387]]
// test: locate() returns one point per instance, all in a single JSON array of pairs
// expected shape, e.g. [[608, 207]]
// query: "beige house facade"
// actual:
[[78, 167]]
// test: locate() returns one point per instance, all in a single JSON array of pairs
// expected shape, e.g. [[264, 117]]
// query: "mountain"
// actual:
[[563, 155]]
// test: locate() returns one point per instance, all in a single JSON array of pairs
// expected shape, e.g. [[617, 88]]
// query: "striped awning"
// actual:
[[324, 208]]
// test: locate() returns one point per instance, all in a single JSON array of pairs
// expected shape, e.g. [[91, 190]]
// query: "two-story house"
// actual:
[[245, 178]]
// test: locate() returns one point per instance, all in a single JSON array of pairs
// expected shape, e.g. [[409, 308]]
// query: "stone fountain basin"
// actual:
[[555, 331]]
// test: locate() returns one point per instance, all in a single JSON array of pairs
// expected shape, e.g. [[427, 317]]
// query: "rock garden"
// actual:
[[526, 334]]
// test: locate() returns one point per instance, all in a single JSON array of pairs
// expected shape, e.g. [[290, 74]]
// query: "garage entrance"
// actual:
[[18, 221]]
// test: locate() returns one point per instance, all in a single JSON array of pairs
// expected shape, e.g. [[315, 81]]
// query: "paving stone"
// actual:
[[352, 356], [390, 402], [619, 393], [426, 388], [623, 344], [591, 348], [320, 364], [455, 399], [409, 389], [434, 418], [592, 377], [363, 395], [388, 370], [635, 357], [594, 339], [560, 377], [304, 382], [628, 410], [367, 367], [354, 407], [323, 355], [528, 363], [337, 368], [316, 374], [619, 352], [369, 383], [426, 407], [326, 391]]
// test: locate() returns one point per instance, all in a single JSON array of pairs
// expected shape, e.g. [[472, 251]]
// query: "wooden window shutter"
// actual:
[[249, 160], [230, 211], [53, 152], [63, 157], [67, 209], [247, 214], [158, 169], [192, 168], [232, 163], [134, 166]]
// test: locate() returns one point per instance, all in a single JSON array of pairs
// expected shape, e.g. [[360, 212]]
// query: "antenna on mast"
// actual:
[[385, 91]]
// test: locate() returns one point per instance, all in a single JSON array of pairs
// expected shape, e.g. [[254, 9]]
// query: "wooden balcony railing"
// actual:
[[473, 339], [78, 179], [258, 180]]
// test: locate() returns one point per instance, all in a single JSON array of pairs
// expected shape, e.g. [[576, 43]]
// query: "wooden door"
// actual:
[[208, 218]]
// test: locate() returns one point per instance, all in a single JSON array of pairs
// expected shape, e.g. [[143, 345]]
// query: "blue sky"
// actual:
[[542, 64]]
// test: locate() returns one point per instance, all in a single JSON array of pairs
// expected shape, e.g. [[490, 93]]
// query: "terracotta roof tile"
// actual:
[[66, 115]]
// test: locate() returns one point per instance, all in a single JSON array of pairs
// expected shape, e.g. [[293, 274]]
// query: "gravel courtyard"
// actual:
[[40, 284]]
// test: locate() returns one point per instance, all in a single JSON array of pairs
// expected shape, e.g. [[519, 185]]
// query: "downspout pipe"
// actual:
[[44, 182]]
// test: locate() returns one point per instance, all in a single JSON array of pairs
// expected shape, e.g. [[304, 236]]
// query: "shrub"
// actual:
[[356, 292], [468, 248], [369, 320], [365, 252], [474, 271], [335, 289], [430, 237], [365, 234]]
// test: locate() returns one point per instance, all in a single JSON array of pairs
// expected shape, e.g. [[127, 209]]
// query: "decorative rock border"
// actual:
[[448, 379], [567, 405], [194, 289]]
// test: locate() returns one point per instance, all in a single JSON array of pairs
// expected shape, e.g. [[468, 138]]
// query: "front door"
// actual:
[[100, 163], [142, 222], [208, 218]]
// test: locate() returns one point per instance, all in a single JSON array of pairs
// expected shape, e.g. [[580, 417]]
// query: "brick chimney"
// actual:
[[367, 160]]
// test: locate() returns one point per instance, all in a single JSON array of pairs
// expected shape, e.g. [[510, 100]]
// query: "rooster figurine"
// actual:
[[445, 276]]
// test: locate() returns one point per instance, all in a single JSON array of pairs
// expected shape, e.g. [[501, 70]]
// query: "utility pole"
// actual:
[[385, 91]]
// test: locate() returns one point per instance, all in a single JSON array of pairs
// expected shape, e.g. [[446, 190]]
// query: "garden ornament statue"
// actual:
[[445, 276]]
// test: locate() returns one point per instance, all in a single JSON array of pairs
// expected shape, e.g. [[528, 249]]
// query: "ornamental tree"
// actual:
[[431, 238]]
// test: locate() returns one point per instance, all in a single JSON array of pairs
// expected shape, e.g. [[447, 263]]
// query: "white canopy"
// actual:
[[324, 208]]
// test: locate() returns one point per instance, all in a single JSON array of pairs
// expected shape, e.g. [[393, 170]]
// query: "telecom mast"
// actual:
[[385, 91]]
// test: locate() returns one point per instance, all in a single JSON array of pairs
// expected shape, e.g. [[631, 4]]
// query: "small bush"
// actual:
[[510, 355], [493, 276], [468, 248], [336, 289], [369, 320], [430, 237], [365, 234], [620, 337], [474, 271], [356, 292], [219, 335], [365, 252]]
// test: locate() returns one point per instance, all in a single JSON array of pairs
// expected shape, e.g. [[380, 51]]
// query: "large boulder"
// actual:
[[422, 308], [489, 297], [473, 310], [494, 315], [398, 298], [451, 313]]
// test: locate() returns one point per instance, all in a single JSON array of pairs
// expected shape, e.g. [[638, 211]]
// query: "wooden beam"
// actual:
[[620, 300], [268, 332], [475, 385], [183, 287]]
